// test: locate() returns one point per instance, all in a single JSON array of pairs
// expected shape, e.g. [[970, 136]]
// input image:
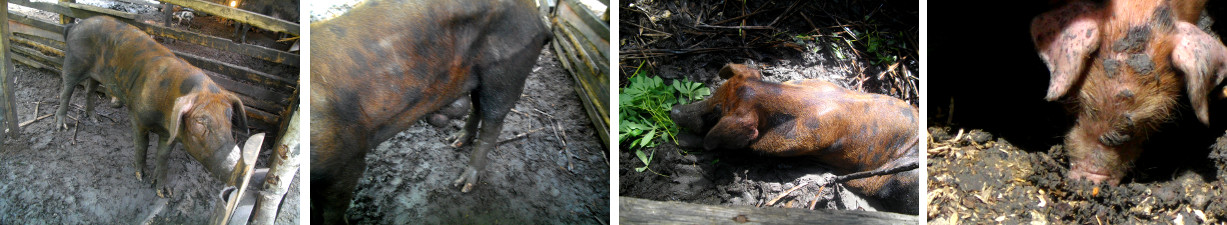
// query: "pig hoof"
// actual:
[[468, 178], [164, 192], [138, 176], [460, 139]]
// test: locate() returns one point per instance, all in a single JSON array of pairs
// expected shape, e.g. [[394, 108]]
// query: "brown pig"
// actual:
[[383, 65], [847, 130], [1121, 66], [164, 94]]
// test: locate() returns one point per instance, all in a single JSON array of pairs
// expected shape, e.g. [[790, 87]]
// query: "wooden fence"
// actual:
[[581, 41], [268, 98]]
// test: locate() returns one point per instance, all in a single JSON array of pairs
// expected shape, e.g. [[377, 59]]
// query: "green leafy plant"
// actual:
[[645, 103]]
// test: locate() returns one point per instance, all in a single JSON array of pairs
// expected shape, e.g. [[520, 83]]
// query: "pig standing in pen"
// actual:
[[164, 94], [1121, 66], [383, 65]]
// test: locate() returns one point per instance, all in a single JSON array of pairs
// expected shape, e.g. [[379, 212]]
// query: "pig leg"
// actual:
[[495, 99], [90, 85], [140, 138], [72, 77], [159, 169], [466, 134]]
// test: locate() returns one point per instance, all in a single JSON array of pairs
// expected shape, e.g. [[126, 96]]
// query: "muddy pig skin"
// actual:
[[164, 94], [846, 130], [383, 65], [1121, 66]]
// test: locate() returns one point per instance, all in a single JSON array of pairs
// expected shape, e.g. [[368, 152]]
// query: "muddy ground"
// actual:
[[664, 37], [84, 175], [557, 174], [1010, 163]]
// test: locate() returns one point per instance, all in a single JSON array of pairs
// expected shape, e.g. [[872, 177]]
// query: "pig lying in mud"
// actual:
[[164, 94], [846, 130], [1121, 66]]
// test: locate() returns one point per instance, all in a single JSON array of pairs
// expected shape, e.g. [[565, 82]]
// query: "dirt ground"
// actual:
[[1009, 164], [662, 36], [557, 174], [84, 175], [975, 178]]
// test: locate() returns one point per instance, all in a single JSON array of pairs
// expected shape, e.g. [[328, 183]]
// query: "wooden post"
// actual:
[[167, 10], [8, 81], [280, 174], [65, 19]]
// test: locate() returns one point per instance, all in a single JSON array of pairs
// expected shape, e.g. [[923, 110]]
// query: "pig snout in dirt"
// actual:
[[847, 130], [164, 95], [1121, 66], [384, 67]]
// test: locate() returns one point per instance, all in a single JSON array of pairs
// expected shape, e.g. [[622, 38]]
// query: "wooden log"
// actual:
[[281, 173], [587, 17], [244, 16], [642, 211], [8, 101], [260, 52]]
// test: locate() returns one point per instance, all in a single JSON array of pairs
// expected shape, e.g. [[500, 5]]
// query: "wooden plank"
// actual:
[[244, 16], [591, 40], [271, 55], [642, 211], [96, 9], [16, 27], [589, 92], [30, 62], [8, 103], [41, 44], [50, 27], [238, 72], [251, 95], [596, 61], [62, 10], [57, 62], [587, 17]]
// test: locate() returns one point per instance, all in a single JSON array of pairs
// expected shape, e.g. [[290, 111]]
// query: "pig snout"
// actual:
[[690, 116], [1099, 155]]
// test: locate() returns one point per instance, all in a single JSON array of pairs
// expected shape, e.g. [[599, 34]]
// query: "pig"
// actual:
[[846, 130], [1120, 66], [383, 65], [164, 95]]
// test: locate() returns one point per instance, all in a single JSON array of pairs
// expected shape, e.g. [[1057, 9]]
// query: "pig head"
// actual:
[[164, 95], [383, 65], [1121, 65], [846, 130]]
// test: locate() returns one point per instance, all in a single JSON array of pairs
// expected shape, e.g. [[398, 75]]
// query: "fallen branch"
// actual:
[[863, 174], [28, 122]]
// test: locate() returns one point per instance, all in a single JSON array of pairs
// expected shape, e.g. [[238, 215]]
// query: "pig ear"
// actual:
[[1065, 37], [733, 69], [1201, 58], [733, 131], [183, 104], [239, 117]]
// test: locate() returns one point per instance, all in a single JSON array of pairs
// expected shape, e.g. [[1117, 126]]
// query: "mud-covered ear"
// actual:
[[733, 69], [1065, 38], [182, 106], [239, 116], [1201, 57], [733, 131]]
